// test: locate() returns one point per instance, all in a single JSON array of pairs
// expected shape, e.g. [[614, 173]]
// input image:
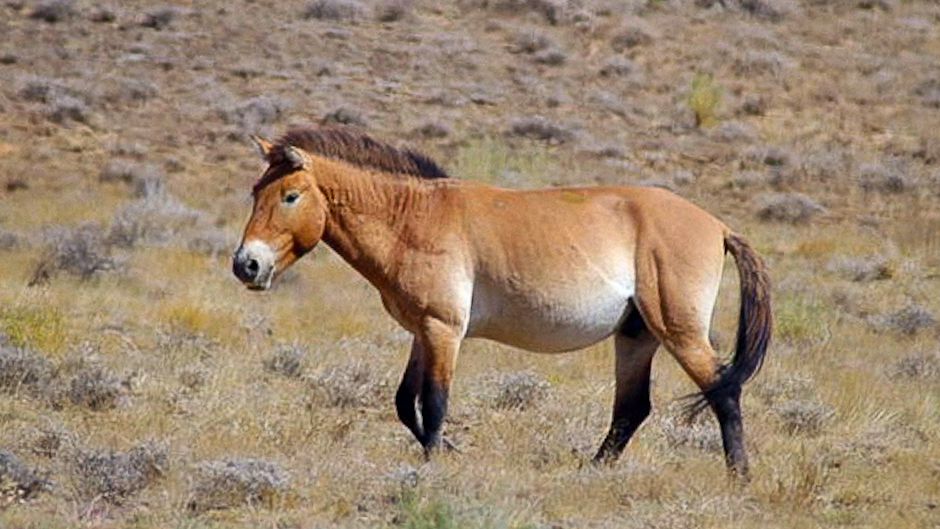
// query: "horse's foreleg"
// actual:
[[441, 343], [635, 347], [406, 397]]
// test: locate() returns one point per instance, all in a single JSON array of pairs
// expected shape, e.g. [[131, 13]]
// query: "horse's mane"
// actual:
[[355, 147]]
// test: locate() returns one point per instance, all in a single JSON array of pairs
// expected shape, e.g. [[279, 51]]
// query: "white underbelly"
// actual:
[[556, 318]]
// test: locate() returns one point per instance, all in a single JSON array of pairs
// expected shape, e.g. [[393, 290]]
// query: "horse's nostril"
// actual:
[[252, 266]]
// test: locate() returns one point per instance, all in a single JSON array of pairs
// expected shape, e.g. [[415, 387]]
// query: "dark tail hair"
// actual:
[[755, 325]]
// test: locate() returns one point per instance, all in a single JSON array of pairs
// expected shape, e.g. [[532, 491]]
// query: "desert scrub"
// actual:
[[23, 369], [909, 320], [53, 11], [34, 325], [704, 100], [232, 483], [392, 10], [790, 208], [115, 476], [518, 391], [82, 252], [251, 115], [699, 432], [919, 366], [286, 360], [97, 388], [351, 385], [18, 481], [335, 10], [144, 178], [804, 416], [541, 128], [862, 269]]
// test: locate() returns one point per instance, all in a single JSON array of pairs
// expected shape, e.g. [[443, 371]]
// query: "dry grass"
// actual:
[[142, 387]]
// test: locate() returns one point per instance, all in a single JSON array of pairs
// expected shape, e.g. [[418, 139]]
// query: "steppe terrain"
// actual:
[[142, 386]]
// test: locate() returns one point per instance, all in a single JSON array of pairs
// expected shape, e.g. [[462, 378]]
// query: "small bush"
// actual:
[[701, 433], [40, 89], [336, 10], [346, 116], [81, 252], [18, 481], [252, 114], [733, 131], [922, 366], [154, 219], [160, 18], [540, 128], [432, 130], [519, 391], [53, 11], [631, 37], [116, 476], [792, 208], [144, 178], [96, 388], [235, 482], [884, 179], [910, 320], [392, 10], [346, 386], [753, 63], [864, 269], [65, 108], [929, 92], [530, 42], [704, 100], [50, 441], [287, 360], [618, 67], [21, 368], [551, 57], [804, 416]]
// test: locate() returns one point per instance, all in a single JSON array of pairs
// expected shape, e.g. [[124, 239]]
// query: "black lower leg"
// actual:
[[629, 413], [727, 408], [433, 411], [406, 399]]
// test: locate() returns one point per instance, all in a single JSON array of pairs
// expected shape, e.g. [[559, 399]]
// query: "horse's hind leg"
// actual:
[[635, 346], [677, 305], [406, 397]]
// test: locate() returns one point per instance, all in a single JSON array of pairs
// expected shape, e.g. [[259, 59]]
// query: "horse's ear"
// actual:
[[297, 157], [263, 145]]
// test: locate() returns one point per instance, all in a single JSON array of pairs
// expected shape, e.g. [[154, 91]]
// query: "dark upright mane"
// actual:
[[358, 148]]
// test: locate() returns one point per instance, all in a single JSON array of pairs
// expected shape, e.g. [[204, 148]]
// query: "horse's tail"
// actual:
[[755, 324]]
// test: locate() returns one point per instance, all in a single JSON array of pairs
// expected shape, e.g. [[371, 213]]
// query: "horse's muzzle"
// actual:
[[253, 265]]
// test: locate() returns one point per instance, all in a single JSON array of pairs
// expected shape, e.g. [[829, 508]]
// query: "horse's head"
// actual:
[[287, 219]]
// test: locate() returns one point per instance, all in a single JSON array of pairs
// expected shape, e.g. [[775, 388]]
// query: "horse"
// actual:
[[546, 270]]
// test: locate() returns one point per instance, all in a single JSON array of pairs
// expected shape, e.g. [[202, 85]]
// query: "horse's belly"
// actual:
[[550, 321]]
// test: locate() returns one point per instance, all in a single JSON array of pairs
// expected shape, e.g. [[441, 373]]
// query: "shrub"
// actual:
[[81, 252], [864, 269], [392, 10], [792, 208], [923, 366], [432, 130], [551, 57], [146, 179], [884, 179], [540, 128], [733, 131], [630, 37], [160, 18], [42, 89], [96, 388], [65, 108], [519, 391], [700, 433], [252, 114], [346, 386], [287, 360], [704, 100], [346, 116], [618, 67], [116, 476], [18, 481], [153, 219], [530, 42], [235, 482], [910, 320], [804, 416], [929, 92], [53, 11], [754, 62], [337, 10], [21, 368]]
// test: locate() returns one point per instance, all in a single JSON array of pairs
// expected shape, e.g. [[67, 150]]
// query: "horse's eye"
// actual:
[[291, 198]]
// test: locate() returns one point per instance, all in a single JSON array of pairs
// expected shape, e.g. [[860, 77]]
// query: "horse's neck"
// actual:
[[368, 216]]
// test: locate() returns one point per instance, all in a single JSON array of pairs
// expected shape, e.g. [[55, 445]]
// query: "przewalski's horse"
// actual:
[[546, 270]]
